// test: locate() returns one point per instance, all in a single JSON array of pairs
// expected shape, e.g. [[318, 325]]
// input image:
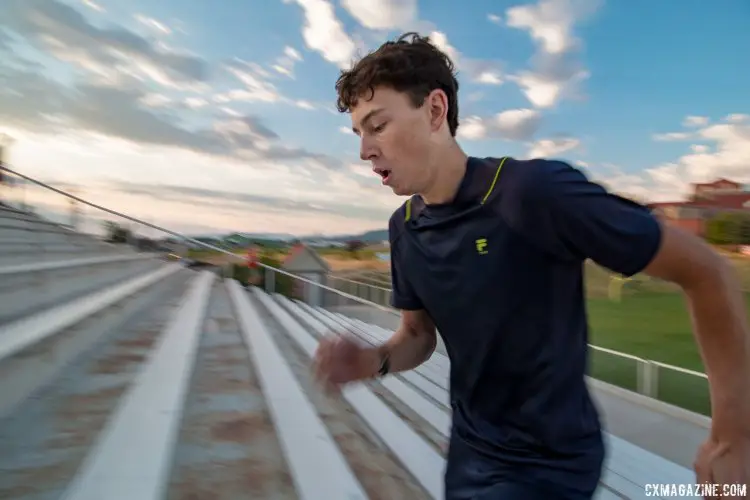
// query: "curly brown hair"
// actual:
[[411, 64]]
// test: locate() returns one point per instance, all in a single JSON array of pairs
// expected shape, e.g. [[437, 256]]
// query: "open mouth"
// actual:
[[384, 174]]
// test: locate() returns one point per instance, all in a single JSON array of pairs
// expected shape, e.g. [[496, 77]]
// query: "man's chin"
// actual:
[[399, 192]]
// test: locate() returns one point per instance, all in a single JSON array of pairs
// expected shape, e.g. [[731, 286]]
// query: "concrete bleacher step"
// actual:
[[137, 378], [16, 253], [180, 390], [22, 234], [34, 285]]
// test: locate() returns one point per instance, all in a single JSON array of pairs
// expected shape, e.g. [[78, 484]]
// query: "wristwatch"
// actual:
[[385, 362]]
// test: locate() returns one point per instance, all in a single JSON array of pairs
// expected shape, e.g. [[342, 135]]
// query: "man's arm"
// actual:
[[720, 323], [573, 219], [410, 345]]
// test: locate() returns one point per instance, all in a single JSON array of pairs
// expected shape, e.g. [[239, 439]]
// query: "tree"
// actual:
[[744, 230], [729, 229], [355, 246], [115, 233]]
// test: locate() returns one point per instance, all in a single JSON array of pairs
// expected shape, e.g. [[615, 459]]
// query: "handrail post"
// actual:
[[270, 281], [648, 379]]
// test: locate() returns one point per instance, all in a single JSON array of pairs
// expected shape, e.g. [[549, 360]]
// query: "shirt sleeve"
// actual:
[[558, 208], [402, 294]]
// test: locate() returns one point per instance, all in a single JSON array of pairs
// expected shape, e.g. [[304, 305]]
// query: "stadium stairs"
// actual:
[[126, 376]]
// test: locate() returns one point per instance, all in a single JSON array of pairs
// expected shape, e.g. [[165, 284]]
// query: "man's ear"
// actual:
[[437, 105]]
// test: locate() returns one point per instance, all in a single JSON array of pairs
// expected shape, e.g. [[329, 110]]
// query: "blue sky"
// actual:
[[220, 115]]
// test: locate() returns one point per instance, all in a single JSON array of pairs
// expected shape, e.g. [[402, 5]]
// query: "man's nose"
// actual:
[[367, 150]]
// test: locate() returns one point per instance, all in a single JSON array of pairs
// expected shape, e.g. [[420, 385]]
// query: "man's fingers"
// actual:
[[321, 359], [324, 358], [702, 465]]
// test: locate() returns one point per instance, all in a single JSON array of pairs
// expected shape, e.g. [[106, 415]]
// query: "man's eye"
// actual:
[[379, 128]]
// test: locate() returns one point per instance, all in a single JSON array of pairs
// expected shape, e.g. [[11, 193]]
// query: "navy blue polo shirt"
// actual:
[[500, 271]]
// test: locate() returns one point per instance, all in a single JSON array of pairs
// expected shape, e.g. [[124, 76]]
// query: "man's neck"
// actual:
[[449, 173]]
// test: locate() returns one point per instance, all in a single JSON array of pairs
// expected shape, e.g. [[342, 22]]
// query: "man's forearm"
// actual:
[[721, 329], [407, 350]]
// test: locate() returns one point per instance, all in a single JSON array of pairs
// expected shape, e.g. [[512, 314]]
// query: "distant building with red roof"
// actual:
[[708, 200]]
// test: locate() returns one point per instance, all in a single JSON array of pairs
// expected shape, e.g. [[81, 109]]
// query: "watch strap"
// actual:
[[385, 362]]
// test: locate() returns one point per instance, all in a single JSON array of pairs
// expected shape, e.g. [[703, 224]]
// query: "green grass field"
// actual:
[[653, 326]]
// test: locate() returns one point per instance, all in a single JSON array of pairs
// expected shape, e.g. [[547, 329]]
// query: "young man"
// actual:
[[492, 251]]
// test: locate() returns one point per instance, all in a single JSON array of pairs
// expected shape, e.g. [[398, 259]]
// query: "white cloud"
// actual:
[[731, 156], [256, 87], [115, 55], [550, 22], [556, 69], [402, 15], [302, 104], [550, 148], [346, 131], [544, 91], [231, 112], [440, 40], [489, 78], [472, 128], [153, 24], [154, 100], [479, 71], [324, 33], [613, 178], [382, 14], [726, 153], [195, 102], [293, 197], [672, 136], [285, 63], [93, 5], [737, 118], [512, 124], [695, 121], [494, 19]]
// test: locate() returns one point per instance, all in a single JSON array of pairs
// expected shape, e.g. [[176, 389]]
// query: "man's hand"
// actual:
[[340, 360], [724, 460]]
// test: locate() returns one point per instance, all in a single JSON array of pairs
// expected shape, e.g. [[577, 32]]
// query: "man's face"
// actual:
[[395, 137]]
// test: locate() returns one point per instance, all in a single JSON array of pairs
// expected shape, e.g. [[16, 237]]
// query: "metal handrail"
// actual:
[[193, 240], [592, 346], [348, 280]]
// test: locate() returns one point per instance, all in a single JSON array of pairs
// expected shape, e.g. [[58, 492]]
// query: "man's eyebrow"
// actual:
[[369, 116]]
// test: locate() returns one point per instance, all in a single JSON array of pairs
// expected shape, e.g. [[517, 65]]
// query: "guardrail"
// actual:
[[647, 377]]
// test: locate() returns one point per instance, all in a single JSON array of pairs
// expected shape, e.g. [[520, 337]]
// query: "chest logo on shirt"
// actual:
[[481, 246]]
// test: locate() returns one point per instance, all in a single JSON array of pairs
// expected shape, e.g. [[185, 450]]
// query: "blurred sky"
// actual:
[[215, 116]]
